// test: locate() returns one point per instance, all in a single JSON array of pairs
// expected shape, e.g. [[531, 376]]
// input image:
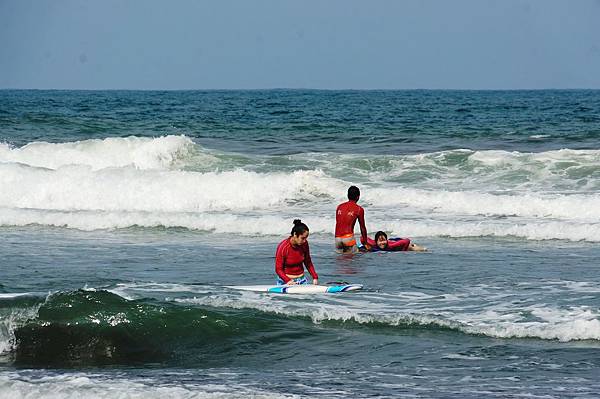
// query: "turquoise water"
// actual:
[[125, 214]]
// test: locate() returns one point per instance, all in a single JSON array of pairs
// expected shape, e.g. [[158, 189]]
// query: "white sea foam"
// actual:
[[10, 320], [539, 136], [583, 286], [574, 206], [132, 291], [525, 229], [81, 188], [578, 323], [139, 152], [123, 182], [219, 223], [320, 312], [258, 225], [88, 385], [498, 319], [542, 159], [11, 295], [561, 170]]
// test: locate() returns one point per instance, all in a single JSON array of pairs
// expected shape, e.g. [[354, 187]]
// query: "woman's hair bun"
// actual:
[[299, 228]]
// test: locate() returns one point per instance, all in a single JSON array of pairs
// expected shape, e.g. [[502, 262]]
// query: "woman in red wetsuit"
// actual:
[[292, 256]]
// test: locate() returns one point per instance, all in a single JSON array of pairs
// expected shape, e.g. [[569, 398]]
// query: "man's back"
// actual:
[[345, 217]]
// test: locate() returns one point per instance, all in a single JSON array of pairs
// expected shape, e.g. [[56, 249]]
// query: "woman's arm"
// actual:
[[309, 265], [279, 263]]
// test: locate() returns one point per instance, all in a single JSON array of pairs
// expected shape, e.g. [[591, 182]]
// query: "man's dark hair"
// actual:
[[353, 193]]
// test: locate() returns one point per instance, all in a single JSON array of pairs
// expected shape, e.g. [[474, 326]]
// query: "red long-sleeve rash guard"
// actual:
[[345, 219], [291, 260]]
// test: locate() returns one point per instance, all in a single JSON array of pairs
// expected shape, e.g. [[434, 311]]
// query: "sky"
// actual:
[[321, 44]]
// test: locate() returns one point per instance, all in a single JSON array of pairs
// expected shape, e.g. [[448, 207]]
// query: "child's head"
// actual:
[[381, 240]]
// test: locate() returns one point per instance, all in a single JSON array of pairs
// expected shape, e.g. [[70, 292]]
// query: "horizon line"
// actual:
[[305, 89]]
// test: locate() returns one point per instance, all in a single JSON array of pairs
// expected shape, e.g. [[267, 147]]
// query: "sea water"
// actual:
[[124, 214]]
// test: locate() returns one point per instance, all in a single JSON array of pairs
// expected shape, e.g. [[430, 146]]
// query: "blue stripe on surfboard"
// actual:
[[337, 288], [278, 290]]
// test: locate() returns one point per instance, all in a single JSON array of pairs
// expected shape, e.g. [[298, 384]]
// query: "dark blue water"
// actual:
[[299, 121]]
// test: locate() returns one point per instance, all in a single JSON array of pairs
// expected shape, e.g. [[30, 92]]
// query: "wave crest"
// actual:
[[112, 152]]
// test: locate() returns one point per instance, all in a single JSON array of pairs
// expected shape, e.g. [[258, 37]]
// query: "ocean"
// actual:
[[125, 214]]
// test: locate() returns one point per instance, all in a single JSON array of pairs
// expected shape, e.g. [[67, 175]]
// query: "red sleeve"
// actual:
[[363, 227], [398, 244], [371, 242], [308, 262], [280, 256]]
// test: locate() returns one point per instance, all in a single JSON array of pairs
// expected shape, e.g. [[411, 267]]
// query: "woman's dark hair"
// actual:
[[379, 234], [353, 193], [299, 228]]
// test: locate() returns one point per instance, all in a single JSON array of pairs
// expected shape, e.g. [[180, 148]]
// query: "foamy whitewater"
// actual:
[[171, 181], [120, 233]]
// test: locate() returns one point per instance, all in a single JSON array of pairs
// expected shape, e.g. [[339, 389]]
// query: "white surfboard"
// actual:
[[299, 289]]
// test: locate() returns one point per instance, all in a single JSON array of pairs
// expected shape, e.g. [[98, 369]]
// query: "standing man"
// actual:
[[345, 219]]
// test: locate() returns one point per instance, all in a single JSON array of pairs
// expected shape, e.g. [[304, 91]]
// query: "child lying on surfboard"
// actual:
[[382, 243]]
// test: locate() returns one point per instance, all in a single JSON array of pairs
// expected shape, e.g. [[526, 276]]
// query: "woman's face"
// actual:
[[301, 239], [382, 242]]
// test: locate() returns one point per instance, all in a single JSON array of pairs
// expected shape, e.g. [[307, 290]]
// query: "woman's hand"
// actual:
[[291, 282], [315, 281]]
